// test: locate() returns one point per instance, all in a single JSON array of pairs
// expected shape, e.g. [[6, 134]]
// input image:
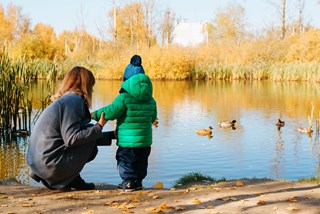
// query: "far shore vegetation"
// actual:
[[287, 52]]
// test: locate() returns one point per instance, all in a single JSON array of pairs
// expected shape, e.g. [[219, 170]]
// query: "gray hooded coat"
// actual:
[[61, 141]]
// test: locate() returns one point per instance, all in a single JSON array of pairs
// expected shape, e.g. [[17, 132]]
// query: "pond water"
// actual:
[[254, 149]]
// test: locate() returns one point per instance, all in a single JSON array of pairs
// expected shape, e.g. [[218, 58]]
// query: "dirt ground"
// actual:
[[242, 196]]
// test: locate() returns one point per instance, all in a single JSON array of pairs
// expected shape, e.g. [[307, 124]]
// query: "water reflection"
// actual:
[[12, 162], [254, 148], [279, 148]]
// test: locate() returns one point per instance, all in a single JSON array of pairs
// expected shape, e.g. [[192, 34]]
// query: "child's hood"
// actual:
[[139, 86]]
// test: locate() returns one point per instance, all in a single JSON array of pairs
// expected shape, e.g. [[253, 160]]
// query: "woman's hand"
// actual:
[[102, 121]]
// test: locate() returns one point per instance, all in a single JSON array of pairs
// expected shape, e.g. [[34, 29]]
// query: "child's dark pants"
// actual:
[[133, 163]]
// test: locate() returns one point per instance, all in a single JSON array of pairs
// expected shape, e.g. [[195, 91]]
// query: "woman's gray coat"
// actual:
[[61, 142]]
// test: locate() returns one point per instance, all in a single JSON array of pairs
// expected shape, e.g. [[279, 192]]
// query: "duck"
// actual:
[[204, 132], [20, 132], [280, 123], [227, 124], [308, 130]]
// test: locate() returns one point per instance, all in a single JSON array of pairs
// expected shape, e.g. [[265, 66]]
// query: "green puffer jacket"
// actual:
[[135, 111]]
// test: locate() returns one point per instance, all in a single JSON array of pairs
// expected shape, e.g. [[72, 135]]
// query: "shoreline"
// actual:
[[238, 196]]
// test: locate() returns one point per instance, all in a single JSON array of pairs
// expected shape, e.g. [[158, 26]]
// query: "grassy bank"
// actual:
[[199, 179]]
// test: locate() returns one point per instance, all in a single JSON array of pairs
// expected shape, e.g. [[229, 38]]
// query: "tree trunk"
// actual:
[[114, 23], [283, 17]]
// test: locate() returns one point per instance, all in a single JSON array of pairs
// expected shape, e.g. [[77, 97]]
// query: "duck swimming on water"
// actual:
[[204, 132], [227, 124], [280, 123]]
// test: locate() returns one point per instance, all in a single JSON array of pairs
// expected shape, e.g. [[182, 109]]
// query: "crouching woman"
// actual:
[[62, 140]]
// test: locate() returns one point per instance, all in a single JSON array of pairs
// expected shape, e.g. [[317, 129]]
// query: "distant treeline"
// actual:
[[230, 52]]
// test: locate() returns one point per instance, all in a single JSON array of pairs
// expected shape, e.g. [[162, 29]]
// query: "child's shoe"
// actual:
[[138, 185], [130, 186]]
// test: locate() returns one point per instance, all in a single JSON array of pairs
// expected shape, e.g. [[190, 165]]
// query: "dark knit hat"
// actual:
[[136, 60], [133, 68]]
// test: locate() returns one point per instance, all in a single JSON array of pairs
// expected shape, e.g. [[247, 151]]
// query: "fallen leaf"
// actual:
[[158, 185], [227, 199], [210, 207], [153, 210], [126, 206], [156, 197], [135, 199], [196, 201], [179, 208], [130, 206], [293, 200], [292, 208], [90, 212], [261, 202], [111, 204], [26, 205], [231, 188], [142, 193], [239, 184], [244, 200], [164, 206]]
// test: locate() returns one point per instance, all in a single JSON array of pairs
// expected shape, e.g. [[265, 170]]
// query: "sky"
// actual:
[[69, 14]]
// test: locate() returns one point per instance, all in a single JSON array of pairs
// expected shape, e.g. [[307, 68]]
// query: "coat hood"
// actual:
[[139, 86]]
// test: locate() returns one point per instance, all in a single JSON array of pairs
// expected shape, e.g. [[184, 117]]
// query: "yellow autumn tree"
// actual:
[[131, 29], [306, 47], [13, 24], [40, 43]]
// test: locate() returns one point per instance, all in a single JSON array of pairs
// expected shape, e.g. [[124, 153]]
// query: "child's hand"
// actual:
[[155, 123], [102, 121]]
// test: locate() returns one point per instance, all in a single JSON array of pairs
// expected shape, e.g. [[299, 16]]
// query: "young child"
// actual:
[[135, 110]]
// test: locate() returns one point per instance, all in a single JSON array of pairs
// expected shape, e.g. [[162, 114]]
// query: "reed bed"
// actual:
[[44, 69], [15, 104], [258, 71], [232, 71]]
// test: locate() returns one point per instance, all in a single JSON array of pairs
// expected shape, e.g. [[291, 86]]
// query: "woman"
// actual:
[[62, 140]]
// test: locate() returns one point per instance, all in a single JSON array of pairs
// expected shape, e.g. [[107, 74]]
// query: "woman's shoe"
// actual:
[[79, 184], [38, 179]]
